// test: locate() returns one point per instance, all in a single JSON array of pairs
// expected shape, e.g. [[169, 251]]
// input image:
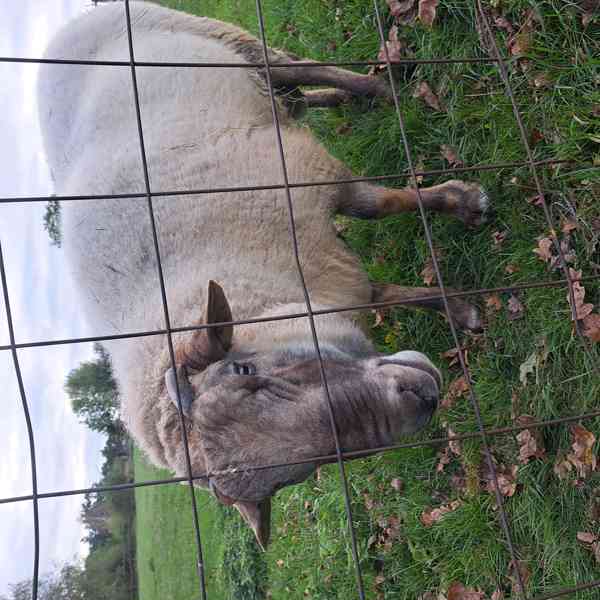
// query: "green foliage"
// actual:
[[243, 569], [52, 222], [93, 393]]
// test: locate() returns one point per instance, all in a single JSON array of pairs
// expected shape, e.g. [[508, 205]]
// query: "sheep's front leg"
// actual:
[[468, 202], [465, 315]]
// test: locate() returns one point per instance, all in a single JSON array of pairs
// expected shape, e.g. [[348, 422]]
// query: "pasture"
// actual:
[[424, 516]]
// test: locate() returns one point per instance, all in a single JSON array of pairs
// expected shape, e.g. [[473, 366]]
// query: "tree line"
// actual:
[[108, 572]]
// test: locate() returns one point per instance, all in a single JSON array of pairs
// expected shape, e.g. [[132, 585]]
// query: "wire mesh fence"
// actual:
[[483, 433]]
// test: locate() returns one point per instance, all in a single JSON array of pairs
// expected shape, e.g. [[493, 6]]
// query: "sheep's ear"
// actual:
[[258, 516], [211, 344], [218, 311]]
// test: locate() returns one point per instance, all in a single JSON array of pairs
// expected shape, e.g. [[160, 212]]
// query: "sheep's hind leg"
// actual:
[[464, 314], [284, 74]]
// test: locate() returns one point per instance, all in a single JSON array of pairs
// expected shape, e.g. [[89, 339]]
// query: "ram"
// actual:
[[251, 395]]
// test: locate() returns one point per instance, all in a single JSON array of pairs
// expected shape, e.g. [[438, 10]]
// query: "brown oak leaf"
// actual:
[[403, 10], [591, 327], [586, 537], [457, 591], [582, 309], [457, 389], [430, 516], [582, 457], [395, 47], [507, 480], [427, 11], [424, 91], [544, 249], [452, 356], [562, 467], [510, 269], [569, 225], [531, 443]]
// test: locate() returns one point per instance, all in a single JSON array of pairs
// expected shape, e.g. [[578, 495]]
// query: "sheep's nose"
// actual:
[[418, 360]]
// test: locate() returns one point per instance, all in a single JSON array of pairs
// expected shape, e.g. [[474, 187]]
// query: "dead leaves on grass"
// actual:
[[531, 443], [431, 516], [406, 12], [590, 542], [459, 388], [425, 93], [581, 459]]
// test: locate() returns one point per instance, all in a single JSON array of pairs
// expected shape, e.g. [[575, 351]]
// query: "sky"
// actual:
[[44, 306]]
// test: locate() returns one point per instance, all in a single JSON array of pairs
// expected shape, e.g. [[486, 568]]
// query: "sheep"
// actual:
[[252, 396]]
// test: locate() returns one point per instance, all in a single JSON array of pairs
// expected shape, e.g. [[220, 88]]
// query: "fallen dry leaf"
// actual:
[[432, 515], [503, 23], [591, 327], [403, 10], [457, 389], [531, 444], [451, 155], [453, 358], [510, 269], [507, 481], [569, 225], [493, 302], [457, 591], [515, 308], [427, 11], [582, 309], [425, 92], [562, 467], [497, 595], [586, 537], [395, 47], [582, 456], [544, 249]]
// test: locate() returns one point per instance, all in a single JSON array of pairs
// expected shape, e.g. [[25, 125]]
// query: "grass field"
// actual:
[[392, 495]]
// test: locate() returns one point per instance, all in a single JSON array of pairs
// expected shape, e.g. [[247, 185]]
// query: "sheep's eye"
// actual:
[[243, 368]]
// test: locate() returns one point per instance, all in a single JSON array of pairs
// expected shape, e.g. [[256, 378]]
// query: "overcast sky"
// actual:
[[44, 307]]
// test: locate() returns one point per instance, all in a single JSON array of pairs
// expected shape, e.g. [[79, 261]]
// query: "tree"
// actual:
[[66, 584], [93, 393], [52, 222]]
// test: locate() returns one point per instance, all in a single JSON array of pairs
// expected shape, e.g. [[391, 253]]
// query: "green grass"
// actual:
[[310, 555]]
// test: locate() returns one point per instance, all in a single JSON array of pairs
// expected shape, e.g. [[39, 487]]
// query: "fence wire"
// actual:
[[482, 433]]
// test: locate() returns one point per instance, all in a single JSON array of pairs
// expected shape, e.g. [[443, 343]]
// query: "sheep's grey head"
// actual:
[[254, 409]]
